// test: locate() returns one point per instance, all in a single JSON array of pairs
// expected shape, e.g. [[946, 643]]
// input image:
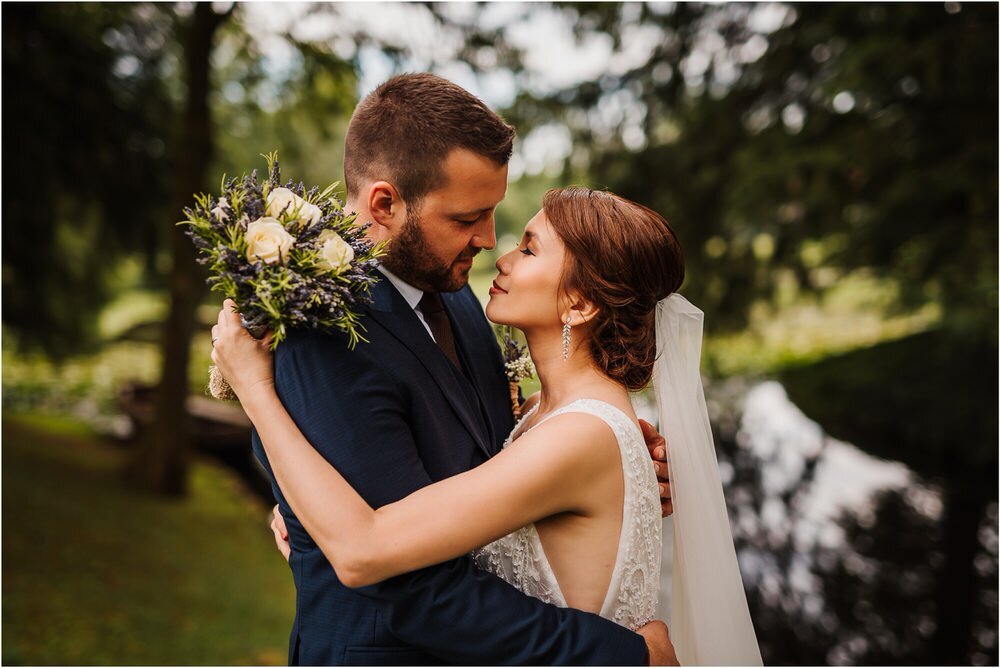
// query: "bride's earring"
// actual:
[[565, 339]]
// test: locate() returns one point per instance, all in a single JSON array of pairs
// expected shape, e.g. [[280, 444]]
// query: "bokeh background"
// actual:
[[830, 169]]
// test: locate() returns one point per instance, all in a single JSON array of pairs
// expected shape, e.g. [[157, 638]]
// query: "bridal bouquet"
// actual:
[[287, 256]]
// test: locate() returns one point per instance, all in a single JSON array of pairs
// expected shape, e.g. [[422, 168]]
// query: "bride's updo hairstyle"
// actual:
[[623, 258]]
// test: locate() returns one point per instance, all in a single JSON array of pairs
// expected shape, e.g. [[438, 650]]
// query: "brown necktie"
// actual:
[[433, 309]]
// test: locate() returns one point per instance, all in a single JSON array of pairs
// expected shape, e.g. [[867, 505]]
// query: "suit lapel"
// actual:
[[473, 356], [391, 311]]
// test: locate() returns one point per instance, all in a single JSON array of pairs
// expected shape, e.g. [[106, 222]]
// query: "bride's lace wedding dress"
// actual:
[[633, 591]]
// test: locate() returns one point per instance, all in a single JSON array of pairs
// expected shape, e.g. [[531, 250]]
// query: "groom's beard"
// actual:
[[410, 257]]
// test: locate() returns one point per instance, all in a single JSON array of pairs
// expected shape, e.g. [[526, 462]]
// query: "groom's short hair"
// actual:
[[402, 131]]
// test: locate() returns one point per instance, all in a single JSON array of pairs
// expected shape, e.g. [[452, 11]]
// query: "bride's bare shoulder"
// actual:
[[581, 440]]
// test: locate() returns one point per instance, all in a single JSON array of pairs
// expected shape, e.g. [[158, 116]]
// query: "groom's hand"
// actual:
[[657, 446], [661, 650], [280, 533]]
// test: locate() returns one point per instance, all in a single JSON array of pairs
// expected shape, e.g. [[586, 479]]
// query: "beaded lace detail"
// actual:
[[633, 591]]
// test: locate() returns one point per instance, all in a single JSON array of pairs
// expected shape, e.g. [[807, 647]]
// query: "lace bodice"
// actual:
[[633, 591]]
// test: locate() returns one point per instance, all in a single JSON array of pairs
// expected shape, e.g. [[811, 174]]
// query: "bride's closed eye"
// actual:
[[526, 251]]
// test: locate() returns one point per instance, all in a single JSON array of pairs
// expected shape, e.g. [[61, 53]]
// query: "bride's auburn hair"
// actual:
[[623, 258]]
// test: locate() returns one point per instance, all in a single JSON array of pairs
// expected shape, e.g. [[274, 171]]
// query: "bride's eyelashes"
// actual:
[[525, 250]]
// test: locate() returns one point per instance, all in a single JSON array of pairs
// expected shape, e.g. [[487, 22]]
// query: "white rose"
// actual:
[[335, 254], [268, 241], [283, 199]]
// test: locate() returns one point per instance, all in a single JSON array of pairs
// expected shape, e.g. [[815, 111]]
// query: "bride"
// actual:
[[569, 510]]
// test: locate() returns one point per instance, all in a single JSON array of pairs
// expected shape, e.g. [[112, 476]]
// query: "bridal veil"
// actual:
[[709, 621]]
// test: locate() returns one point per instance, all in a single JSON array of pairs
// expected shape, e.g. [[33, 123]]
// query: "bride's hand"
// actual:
[[246, 363]]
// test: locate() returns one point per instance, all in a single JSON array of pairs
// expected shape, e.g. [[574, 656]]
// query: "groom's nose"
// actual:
[[485, 235]]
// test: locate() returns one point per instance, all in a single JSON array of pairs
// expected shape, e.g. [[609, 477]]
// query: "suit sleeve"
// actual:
[[356, 416]]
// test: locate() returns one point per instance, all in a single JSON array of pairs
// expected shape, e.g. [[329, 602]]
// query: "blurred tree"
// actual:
[[318, 89], [299, 108], [110, 133], [863, 588], [800, 142], [86, 122], [161, 461], [927, 400]]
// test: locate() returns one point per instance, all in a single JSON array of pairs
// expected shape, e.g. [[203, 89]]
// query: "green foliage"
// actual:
[[847, 137], [85, 386], [96, 572], [797, 329], [303, 110], [87, 123], [94, 94], [928, 400], [83, 383]]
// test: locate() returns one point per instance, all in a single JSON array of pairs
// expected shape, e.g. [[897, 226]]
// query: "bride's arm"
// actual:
[[533, 478], [537, 476]]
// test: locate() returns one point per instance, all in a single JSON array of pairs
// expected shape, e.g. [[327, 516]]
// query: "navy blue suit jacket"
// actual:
[[394, 415]]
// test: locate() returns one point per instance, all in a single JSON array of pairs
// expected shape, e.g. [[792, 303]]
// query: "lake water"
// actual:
[[839, 550]]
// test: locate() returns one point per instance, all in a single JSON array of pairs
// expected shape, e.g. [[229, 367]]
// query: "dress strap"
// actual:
[[615, 417], [516, 431]]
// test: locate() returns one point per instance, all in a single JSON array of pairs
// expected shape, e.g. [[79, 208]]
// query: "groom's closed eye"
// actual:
[[470, 217]]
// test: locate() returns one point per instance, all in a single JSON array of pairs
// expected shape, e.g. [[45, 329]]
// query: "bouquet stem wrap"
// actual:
[[515, 403], [218, 386]]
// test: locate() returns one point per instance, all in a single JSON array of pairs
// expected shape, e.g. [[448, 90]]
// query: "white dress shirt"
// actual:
[[411, 295]]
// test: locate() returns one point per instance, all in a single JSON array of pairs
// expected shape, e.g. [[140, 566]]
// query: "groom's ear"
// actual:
[[386, 206]]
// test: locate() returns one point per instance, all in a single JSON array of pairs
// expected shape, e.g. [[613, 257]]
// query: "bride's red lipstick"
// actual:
[[497, 290]]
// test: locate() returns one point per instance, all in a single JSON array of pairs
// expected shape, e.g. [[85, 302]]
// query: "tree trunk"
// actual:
[[162, 459], [956, 592]]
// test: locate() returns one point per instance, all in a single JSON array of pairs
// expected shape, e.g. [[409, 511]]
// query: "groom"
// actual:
[[426, 398]]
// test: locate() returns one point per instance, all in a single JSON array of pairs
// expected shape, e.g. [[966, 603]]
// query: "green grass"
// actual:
[[97, 572]]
